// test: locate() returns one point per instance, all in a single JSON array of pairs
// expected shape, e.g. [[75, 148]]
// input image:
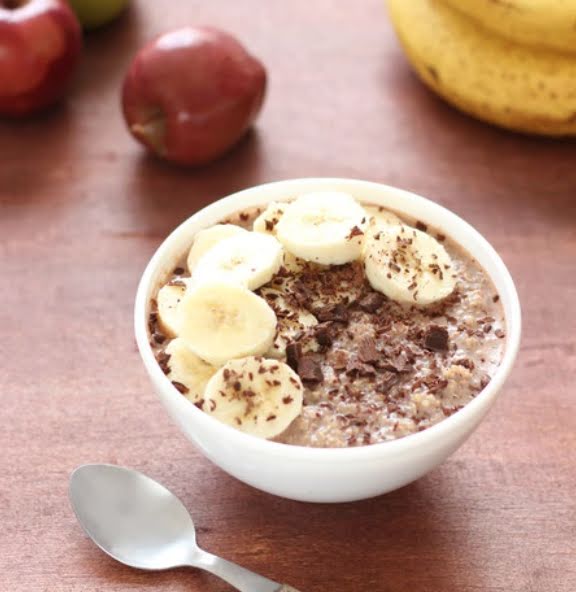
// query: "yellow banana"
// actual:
[[483, 74], [545, 24]]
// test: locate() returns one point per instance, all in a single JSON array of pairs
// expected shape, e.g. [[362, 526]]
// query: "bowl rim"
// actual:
[[399, 446]]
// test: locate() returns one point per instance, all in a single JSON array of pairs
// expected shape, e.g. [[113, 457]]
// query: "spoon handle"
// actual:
[[241, 578]]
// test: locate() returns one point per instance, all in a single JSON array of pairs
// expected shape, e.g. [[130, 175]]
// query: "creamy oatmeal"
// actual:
[[364, 367]]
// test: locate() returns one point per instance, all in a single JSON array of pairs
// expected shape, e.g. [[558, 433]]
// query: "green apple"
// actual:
[[95, 13]]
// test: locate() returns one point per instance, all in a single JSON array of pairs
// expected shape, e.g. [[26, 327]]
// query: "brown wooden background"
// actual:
[[81, 211]]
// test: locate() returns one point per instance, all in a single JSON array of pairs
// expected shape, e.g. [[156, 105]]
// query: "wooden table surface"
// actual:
[[82, 210]]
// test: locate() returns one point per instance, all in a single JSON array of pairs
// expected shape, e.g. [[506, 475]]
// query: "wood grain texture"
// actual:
[[81, 211]]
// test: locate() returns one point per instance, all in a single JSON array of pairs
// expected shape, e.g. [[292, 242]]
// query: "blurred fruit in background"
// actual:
[[500, 63], [96, 13], [192, 93], [539, 23], [40, 41]]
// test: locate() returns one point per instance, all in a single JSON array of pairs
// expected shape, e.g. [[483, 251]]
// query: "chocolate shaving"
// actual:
[[371, 302], [339, 359], [337, 313], [356, 367], [181, 388], [421, 226], [293, 355], [179, 271], [436, 338], [163, 360], [367, 351], [386, 381], [465, 362], [159, 338], [355, 232], [323, 335], [309, 370]]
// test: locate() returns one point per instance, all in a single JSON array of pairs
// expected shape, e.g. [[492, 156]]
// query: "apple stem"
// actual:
[[151, 133]]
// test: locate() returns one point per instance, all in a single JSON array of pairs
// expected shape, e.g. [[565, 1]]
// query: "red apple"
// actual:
[[192, 93], [40, 42]]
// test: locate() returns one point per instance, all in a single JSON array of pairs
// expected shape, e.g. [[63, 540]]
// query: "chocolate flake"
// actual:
[[337, 313], [367, 351], [309, 370], [339, 359], [371, 302], [323, 335], [287, 400], [355, 367], [355, 232], [465, 362], [159, 338], [179, 271], [436, 338], [163, 359], [421, 226], [181, 388]]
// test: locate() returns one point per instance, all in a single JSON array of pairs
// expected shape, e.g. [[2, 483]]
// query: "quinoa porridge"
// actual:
[[347, 364]]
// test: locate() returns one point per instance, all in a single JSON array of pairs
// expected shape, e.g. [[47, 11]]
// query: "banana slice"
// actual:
[[291, 263], [220, 321], [325, 227], [381, 217], [208, 238], [257, 396], [169, 298], [266, 222], [248, 259], [187, 371], [292, 320], [408, 265]]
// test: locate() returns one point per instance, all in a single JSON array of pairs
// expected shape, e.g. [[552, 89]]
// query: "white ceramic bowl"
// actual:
[[329, 474]]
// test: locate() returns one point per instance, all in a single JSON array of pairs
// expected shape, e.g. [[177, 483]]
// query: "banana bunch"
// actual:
[[511, 63]]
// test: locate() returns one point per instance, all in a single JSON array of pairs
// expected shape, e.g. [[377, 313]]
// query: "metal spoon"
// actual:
[[140, 523]]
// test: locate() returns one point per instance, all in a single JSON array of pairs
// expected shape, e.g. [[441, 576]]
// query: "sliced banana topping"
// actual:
[[267, 221], [208, 238], [292, 320], [257, 396], [220, 321], [325, 227], [249, 259], [408, 265], [169, 298], [381, 217], [186, 370]]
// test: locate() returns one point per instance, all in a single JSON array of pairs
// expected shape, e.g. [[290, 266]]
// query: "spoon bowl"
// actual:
[[132, 518], [142, 524]]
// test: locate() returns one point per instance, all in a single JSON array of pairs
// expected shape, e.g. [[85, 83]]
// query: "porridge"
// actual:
[[324, 322]]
